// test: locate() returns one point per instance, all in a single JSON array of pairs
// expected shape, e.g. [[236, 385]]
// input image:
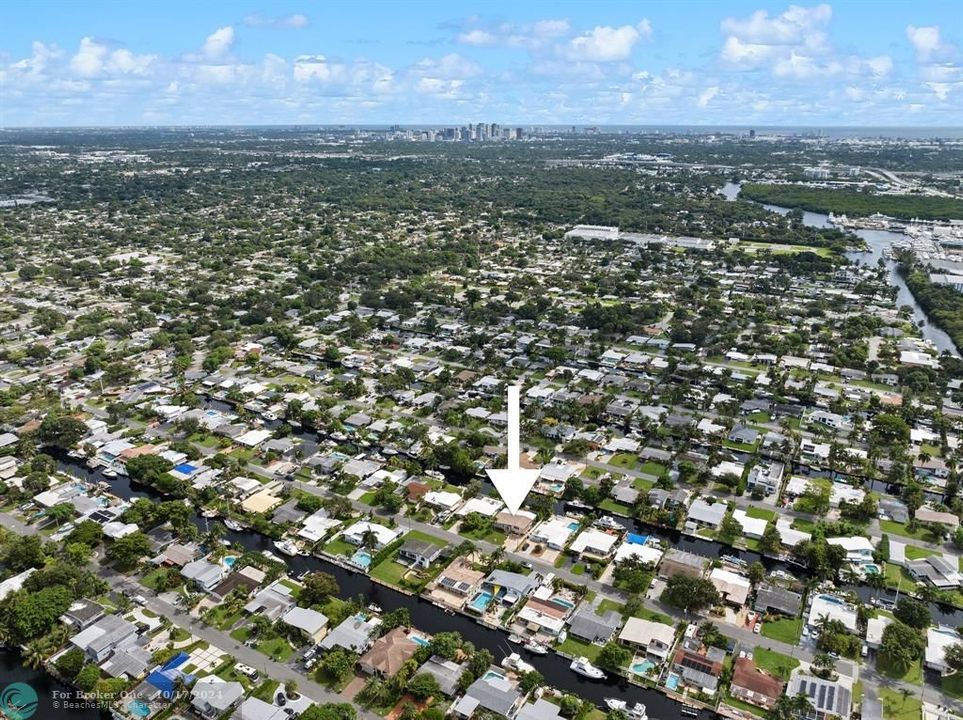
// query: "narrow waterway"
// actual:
[[424, 615], [877, 241], [51, 693]]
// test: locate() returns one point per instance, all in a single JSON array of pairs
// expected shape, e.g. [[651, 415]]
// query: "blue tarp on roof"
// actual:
[[185, 468], [633, 539], [165, 678]]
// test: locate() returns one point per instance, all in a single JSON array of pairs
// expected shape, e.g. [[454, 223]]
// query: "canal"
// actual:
[[424, 615], [877, 242]]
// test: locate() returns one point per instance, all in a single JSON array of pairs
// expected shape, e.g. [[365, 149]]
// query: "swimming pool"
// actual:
[[573, 526], [643, 667], [229, 560], [418, 639], [562, 603], [871, 569], [481, 601], [361, 558], [138, 708], [672, 682], [832, 599], [492, 675]]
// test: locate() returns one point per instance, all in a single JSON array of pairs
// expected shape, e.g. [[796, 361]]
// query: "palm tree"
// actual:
[[35, 654]]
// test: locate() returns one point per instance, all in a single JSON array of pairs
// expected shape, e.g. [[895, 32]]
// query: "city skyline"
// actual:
[[613, 63]]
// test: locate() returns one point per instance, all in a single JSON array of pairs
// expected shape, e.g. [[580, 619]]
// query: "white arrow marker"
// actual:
[[514, 482]]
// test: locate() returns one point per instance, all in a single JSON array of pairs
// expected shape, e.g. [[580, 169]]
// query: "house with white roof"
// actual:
[[382, 535], [833, 607], [595, 543], [858, 549], [554, 533], [751, 527], [938, 639], [442, 499], [653, 638], [483, 505]]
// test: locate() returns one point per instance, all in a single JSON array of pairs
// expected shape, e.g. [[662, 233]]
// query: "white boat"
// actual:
[[110, 473], [517, 639], [375, 608], [271, 556], [515, 662], [583, 667], [209, 513], [536, 648], [233, 525], [287, 546], [634, 712]]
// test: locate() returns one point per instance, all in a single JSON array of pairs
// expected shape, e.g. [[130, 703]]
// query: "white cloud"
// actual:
[[315, 67], [926, 40], [551, 28], [705, 97], [790, 28], [219, 43], [296, 21], [125, 62], [89, 60], [606, 44], [451, 66], [479, 38], [42, 56]]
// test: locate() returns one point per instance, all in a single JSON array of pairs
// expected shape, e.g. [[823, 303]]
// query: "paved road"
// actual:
[[249, 656]]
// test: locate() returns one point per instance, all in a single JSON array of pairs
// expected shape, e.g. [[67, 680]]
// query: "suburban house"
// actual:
[[419, 553], [272, 602], [681, 562], [211, 696], [774, 599], [587, 625], [704, 514], [767, 478], [254, 709], [594, 543], [379, 534], [699, 665], [829, 698], [388, 653], [313, 624], [100, 640], [652, 638], [753, 685], [507, 587], [204, 574], [554, 533], [733, 588], [82, 614], [354, 634], [493, 691], [515, 524], [935, 570], [446, 672], [938, 639]]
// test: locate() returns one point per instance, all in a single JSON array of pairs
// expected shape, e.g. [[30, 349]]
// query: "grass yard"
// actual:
[[624, 460], [605, 605], [739, 704], [650, 467], [760, 513], [804, 525], [642, 485], [577, 648], [785, 630], [915, 552], [242, 633], [892, 527], [776, 663], [610, 505], [266, 690], [278, 648], [952, 685], [896, 706], [913, 675], [340, 547], [389, 571]]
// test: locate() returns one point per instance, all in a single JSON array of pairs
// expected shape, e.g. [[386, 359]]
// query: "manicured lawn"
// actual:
[[758, 417], [642, 485], [278, 648], [612, 506], [804, 525], [368, 498], [953, 685], [733, 702], [654, 616], [894, 528], [896, 706], [221, 617], [389, 571], [605, 605], [741, 447], [266, 690], [786, 630], [913, 675], [624, 460], [915, 552], [490, 534], [578, 648], [578, 569], [340, 547], [242, 633], [776, 663], [760, 513], [650, 467]]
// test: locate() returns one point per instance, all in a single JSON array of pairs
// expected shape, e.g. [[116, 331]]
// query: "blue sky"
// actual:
[[81, 62]]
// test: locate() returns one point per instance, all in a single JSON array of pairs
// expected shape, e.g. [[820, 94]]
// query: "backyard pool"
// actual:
[[229, 560], [641, 668], [361, 558], [563, 603], [138, 708], [672, 682], [418, 639], [492, 675], [481, 601], [871, 569], [573, 526]]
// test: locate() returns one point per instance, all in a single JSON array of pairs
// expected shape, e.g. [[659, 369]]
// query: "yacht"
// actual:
[[517, 639], [536, 648], [633, 712], [583, 667], [210, 513], [233, 525], [109, 473], [608, 522], [515, 662], [375, 608], [287, 546], [271, 556]]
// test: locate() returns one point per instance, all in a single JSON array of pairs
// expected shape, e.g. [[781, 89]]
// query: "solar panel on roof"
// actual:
[[447, 582]]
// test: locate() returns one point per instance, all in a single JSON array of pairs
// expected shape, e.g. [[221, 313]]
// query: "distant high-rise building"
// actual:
[[519, 133], [752, 134]]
